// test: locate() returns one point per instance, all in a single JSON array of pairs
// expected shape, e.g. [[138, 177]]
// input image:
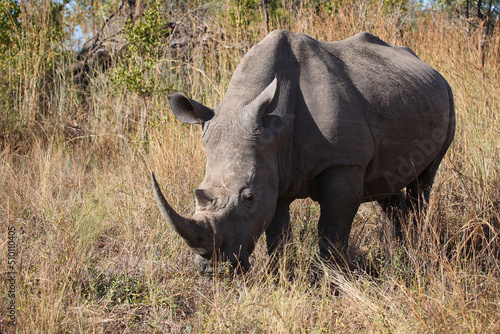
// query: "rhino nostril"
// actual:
[[204, 197]]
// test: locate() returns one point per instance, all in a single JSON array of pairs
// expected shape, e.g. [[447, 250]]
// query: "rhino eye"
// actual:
[[247, 195]]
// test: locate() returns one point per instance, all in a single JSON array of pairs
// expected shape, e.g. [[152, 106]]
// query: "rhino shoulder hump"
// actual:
[[278, 34], [372, 40], [366, 37]]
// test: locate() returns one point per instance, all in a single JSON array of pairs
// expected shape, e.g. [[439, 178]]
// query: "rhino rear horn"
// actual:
[[266, 98], [196, 233]]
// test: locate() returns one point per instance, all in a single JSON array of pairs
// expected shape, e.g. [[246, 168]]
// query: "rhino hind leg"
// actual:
[[395, 208], [400, 207]]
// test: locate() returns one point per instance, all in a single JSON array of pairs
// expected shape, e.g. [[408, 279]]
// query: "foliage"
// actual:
[[334, 6], [32, 39], [242, 12], [145, 39], [468, 8], [10, 24]]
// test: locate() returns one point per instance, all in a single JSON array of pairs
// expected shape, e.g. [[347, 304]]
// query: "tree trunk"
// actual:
[[266, 15], [485, 29]]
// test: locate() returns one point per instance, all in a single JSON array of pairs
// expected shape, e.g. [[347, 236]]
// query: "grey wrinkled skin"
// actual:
[[341, 122]]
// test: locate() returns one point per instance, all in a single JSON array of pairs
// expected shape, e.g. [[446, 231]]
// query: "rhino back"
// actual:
[[357, 102], [408, 107]]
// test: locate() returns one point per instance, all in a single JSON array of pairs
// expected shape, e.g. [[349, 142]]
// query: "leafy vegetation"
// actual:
[[144, 39], [94, 254]]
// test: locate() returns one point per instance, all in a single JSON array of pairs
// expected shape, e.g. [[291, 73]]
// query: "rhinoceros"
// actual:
[[340, 122]]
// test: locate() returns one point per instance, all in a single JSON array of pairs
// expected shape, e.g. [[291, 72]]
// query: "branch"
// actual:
[[95, 39]]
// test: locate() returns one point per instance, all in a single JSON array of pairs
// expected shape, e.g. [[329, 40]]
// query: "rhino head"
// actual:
[[237, 199]]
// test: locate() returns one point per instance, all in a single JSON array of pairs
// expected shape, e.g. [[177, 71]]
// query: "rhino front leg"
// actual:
[[277, 233], [340, 193]]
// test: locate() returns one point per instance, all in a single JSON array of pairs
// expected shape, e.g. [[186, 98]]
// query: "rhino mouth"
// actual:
[[223, 264], [212, 266]]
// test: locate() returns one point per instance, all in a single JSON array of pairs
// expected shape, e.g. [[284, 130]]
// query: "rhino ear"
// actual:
[[189, 111], [267, 97]]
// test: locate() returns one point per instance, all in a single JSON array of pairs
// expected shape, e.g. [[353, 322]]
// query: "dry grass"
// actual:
[[94, 255]]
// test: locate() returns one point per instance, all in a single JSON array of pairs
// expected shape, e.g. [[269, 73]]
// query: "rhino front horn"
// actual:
[[197, 233]]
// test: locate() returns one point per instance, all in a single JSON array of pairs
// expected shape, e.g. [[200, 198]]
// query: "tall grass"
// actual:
[[94, 255]]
